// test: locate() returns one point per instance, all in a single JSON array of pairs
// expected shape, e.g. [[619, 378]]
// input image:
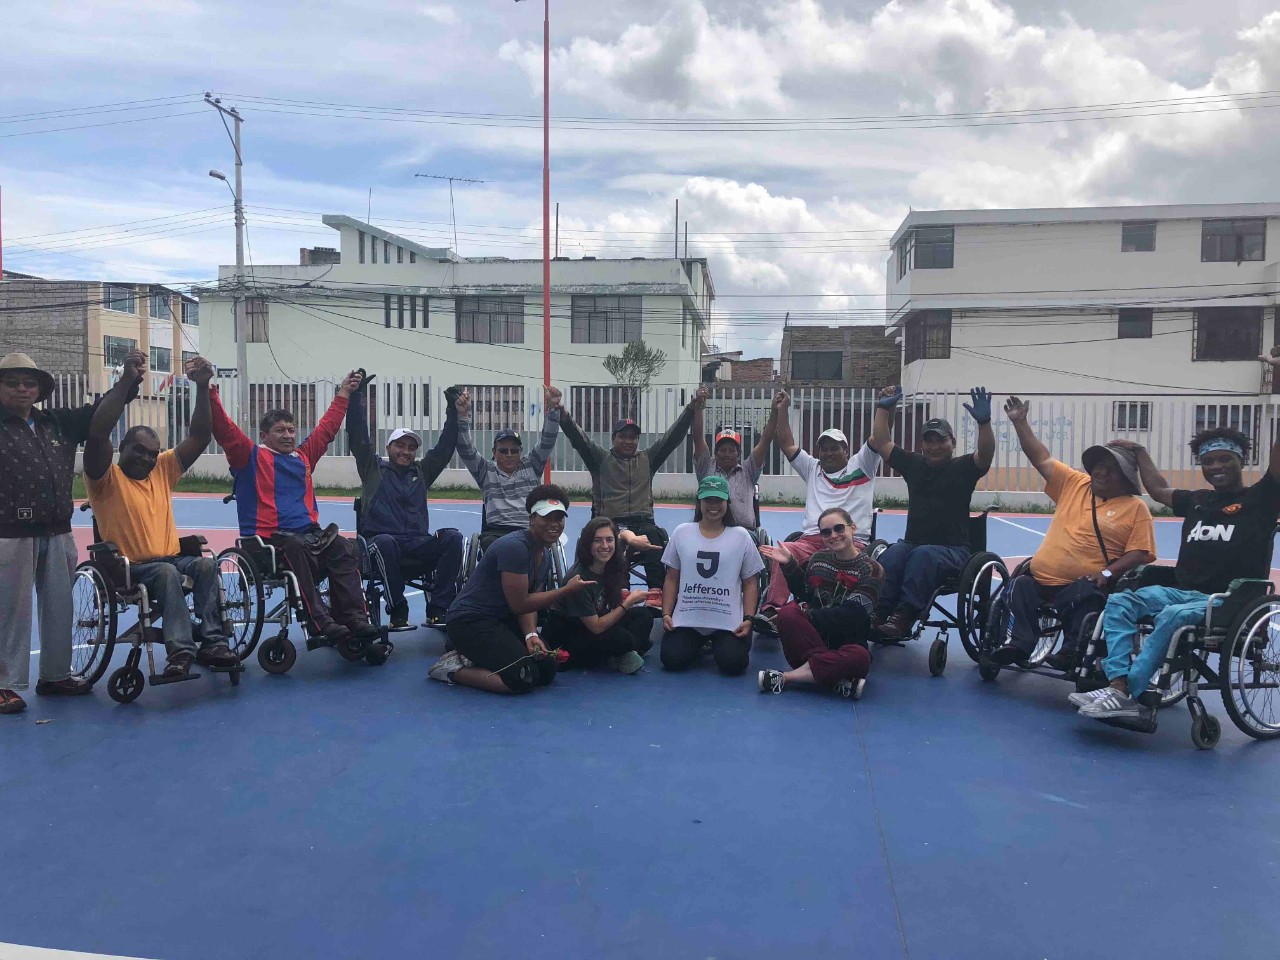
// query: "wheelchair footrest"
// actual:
[[315, 643], [159, 679], [1127, 723], [1150, 698], [238, 668]]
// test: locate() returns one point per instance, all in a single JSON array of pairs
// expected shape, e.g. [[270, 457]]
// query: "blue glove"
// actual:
[[980, 409], [891, 401]]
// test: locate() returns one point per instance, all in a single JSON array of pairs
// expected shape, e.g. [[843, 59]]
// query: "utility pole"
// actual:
[[237, 192]]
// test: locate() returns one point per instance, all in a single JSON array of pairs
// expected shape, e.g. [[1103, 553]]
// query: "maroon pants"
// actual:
[[831, 641], [341, 564]]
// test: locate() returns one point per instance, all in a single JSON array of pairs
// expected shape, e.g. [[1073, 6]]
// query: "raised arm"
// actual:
[[467, 453], [667, 443], [1272, 360], [231, 438], [200, 431], [438, 457], [1157, 487], [761, 449], [592, 454], [979, 407], [98, 449], [882, 424], [699, 430], [785, 439], [358, 432], [1035, 451], [539, 455], [317, 443]]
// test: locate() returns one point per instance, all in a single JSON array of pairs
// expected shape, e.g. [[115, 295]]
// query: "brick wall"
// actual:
[[754, 371], [869, 359], [31, 323]]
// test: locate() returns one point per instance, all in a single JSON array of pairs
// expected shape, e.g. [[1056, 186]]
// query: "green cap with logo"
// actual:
[[715, 487]]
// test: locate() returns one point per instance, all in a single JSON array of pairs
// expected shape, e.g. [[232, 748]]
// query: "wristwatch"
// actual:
[[1107, 574]]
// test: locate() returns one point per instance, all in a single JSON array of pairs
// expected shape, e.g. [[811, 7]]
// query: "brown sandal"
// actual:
[[10, 702]]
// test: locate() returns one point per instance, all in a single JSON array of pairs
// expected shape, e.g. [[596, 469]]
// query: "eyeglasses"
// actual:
[[507, 451], [831, 531], [19, 383]]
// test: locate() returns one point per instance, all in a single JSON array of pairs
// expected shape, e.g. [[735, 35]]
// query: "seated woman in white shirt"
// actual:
[[711, 586]]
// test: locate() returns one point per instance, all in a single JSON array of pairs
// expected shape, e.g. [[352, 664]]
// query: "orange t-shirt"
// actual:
[[137, 515], [1070, 549]]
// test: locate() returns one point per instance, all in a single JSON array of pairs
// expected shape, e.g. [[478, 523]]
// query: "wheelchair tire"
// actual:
[[980, 581], [988, 670], [793, 536], [93, 624], [875, 548], [1205, 731], [937, 657], [1248, 662], [242, 601], [379, 653], [125, 685], [352, 649], [277, 655]]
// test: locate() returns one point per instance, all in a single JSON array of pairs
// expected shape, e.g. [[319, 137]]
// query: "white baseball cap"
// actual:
[[544, 508], [400, 433], [834, 434]]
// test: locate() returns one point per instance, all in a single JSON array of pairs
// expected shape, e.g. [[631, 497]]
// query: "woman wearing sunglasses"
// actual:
[[605, 624], [824, 631], [711, 586]]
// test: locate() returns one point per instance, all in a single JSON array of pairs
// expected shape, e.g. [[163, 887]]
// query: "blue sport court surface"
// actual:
[[345, 810]]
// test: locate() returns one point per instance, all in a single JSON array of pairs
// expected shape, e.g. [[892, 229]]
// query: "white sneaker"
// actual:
[[449, 664], [1113, 705], [851, 689], [1086, 698]]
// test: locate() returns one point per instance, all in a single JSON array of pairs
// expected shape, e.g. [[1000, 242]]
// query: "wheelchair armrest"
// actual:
[[112, 564], [1240, 593], [110, 549], [1148, 575], [192, 545]]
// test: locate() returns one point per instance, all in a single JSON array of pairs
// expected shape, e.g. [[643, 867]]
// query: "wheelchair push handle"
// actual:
[[228, 498], [84, 507]]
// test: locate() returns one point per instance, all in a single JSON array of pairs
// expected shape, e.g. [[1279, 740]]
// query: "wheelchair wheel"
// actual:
[[277, 655], [1050, 632], [875, 548], [470, 557], [1177, 690], [988, 670], [125, 684], [980, 582], [242, 601], [93, 624], [559, 565], [1249, 670], [1205, 731], [937, 657], [352, 648], [793, 536]]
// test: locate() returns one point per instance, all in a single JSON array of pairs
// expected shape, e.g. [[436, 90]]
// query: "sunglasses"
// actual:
[[831, 531], [507, 451], [18, 383]]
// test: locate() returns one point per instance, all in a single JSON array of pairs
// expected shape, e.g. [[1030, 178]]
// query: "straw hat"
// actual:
[[20, 362]]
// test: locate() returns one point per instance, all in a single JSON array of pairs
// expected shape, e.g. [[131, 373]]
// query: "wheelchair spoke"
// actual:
[[1250, 677]]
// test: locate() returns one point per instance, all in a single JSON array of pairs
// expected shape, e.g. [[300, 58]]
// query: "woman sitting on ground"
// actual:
[[824, 631], [710, 592], [492, 623], [603, 625]]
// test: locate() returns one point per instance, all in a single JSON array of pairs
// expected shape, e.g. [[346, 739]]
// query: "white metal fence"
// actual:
[[1068, 425]]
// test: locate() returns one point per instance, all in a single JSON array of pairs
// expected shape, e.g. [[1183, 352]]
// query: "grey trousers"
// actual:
[[45, 565]]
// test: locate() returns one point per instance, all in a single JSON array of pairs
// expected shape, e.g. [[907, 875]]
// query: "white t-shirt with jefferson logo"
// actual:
[[711, 573]]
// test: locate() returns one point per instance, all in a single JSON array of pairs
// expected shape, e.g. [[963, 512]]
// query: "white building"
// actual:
[[1166, 307], [406, 311]]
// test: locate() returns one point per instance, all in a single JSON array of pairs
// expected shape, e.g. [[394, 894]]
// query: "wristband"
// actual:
[[534, 635]]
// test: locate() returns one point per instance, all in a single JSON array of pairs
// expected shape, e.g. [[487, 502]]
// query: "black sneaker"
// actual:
[[62, 688], [1008, 655], [365, 631], [399, 616], [435, 617], [179, 665], [770, 681], [332, 633], [217, 655]]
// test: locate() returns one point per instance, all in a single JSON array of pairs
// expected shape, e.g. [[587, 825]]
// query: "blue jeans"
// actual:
[[1172, 609], [163, 580], [913, 571], [440, 552]]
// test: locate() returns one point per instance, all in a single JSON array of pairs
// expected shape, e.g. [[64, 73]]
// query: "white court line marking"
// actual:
[[1038, 533], [15, 951]]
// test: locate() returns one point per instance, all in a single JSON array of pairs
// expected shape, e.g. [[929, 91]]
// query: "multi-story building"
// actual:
[[405, 311], [80, 330], [856, 357]]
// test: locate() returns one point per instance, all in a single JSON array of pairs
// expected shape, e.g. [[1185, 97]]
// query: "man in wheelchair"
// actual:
[[1227, 534], [727, 462], [1101, 529], [505, 480], [394, 513], [940, 488], [622, 484], [275, 500], [133, 507]]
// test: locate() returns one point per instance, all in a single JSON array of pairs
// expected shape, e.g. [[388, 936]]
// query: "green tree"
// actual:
[[637, 365]]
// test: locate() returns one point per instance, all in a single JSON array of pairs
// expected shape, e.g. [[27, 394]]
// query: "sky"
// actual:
[[105, 143]]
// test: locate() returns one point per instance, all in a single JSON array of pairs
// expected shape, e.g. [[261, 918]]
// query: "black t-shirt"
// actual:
[[588, 602], [938, 511], [1226, 536]]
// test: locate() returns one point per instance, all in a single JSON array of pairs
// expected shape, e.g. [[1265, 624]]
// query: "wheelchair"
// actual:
[[556, 570], [416, 575], [273, 595], [103, 590]]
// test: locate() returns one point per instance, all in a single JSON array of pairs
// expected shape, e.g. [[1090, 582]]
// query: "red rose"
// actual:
[[562, 655]]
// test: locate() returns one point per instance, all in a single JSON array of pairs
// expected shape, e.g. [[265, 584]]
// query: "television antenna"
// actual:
[[453, 220]]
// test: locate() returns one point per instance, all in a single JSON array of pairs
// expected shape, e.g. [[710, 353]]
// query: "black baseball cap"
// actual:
[[507, 435], [939, 426], [626, 423]]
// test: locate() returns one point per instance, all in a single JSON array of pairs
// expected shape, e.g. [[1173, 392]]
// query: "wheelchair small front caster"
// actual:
[[937, 657], [277, 655], [125, 684], [1205, 731]]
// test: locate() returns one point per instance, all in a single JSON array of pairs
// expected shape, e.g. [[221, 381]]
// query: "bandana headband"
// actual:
[[1221, 443]]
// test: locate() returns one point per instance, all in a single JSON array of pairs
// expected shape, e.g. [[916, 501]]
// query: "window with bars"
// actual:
[[1138, 236], [119, 298], [162, 359], [489, 319], [1131, 415], [1227, 333], [115, 349], [927, 336], [257, 314], [606, 319], [816, 364], [1245, 417], [1135, 323], [1233, 241]]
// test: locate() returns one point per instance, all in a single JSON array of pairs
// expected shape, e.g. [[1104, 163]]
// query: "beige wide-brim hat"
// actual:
[[20, 362]]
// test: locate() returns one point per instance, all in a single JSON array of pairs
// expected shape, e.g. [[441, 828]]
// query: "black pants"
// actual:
[[683, 645], [340, 562], [498, 646], [654, 569], [490, 534], [1073, 603], [587, 649]]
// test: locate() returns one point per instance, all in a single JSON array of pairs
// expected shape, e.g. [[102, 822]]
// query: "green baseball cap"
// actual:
[[717, 487]]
